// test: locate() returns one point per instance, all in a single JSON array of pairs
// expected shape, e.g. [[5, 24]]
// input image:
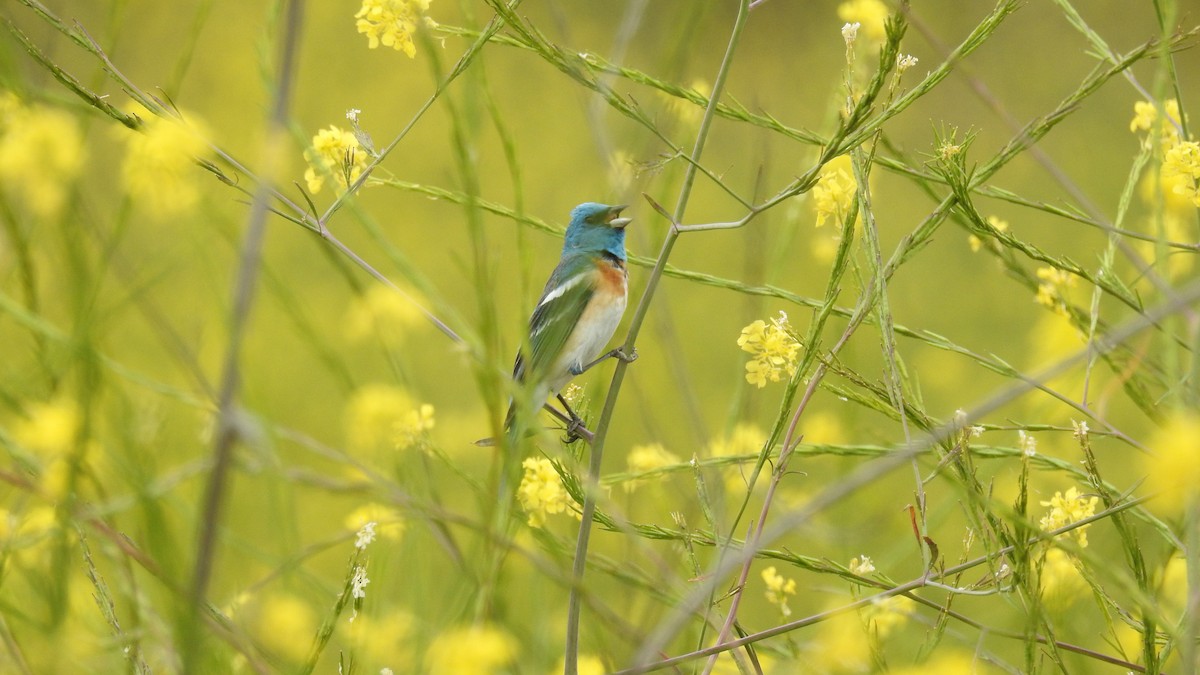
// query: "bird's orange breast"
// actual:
[[612, 277]]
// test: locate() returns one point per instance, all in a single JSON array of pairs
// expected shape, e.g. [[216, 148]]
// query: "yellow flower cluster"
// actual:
[[541, 492], [1062, 584], [646, 458], [285, 625], [976, 243], [1066, 509], [886, 615], [384, 641], [159, 169], [380, 416], [380, 312], [1171, 471], [388, 522], [871, 14], [1052, 287], [1181, 166], [773, 350], [835, 190], [1145, 117], [480, 650], [778, 589], [391, 23], [41, 153], [412, 429], [335, 152], [49, 428]]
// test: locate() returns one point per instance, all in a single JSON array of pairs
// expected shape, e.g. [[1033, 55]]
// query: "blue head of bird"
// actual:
[[596, 228]]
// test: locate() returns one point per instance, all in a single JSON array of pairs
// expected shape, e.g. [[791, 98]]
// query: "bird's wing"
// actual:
[[563, 302]]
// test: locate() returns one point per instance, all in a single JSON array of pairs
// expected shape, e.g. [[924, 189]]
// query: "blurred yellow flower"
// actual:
[[944, 662], [373, 415], [335, 152], [285, 625], [383, 641], [389, 524], [835, 190], [976, 243], [872, 14], [647, 458], [541, 492], [862, 566], [887, 614], [1181, 164], [1172, 588], [41, 154], [1061, 582], [392, 23], [1066, 509], [479, 650], [381, 312], [412, 429], [745, 439], [840, 645], [1053, 284], [1145, 115], [159, 169], [49, 428], [1172, 469], [778, 589], [688, 113], [773, 348]]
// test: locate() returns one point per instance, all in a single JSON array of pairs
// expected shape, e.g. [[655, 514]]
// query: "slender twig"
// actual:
[[228, 424], [639, 315]]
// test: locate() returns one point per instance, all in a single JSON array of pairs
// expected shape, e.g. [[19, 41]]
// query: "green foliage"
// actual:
[[962, 441]]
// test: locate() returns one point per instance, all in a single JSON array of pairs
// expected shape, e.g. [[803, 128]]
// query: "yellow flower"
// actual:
[[392, 23], [839, 646], [1066, 509], [159, 170], [49, 429], [646, 458], [688, 113], [862, 566], [1172, 589], [774, 350], [373, 416], [479, 650], [389, 524], [976, 243], [541, 492], [745, 439], [41, 153], [835, 190], [383, 641], [1182, 165], [1145, 115], [943, 663], [1062, 584], [381, 312], [778, 589], [1171, 471], [872, 14], [335, 152], [412, 430], [285, 625], [1052, 288], [887, 614]]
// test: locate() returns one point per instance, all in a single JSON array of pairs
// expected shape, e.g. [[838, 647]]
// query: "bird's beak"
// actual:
[[614, 221]]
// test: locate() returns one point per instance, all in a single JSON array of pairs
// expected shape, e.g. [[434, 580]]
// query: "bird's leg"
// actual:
[[574, 424], [616, 353]]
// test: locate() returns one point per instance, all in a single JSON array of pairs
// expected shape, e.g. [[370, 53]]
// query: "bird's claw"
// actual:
[[572, 430], [627, 358]]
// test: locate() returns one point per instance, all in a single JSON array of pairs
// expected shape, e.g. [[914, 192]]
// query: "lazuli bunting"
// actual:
[[580, 307]]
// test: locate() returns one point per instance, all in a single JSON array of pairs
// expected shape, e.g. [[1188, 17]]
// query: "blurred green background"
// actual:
[[130, 318]]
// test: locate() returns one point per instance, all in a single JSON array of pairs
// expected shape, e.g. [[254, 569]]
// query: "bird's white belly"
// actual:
[[596, 328]]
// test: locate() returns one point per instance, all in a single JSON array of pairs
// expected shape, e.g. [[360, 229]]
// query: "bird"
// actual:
[[579, 310]]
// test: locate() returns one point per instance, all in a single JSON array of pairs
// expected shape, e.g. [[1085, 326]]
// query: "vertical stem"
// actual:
[[571, 651], [243, 299]]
